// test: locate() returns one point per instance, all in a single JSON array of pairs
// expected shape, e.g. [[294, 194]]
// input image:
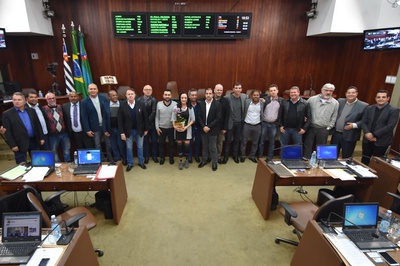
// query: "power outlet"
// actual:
[[34, 56]]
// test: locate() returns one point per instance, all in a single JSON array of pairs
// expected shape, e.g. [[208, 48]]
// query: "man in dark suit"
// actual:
[[209, 118], [23, 130], [92, 115], [32, 102], [348, 123], [74, 121], [225, 116], [133, 123], [378, 123]]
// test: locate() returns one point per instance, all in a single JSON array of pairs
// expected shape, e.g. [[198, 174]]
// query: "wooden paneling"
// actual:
[[277, 52]]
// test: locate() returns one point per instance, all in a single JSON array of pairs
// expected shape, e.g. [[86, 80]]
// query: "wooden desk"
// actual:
[[315, 249], [70, 182], [265, 178], [387, 181]]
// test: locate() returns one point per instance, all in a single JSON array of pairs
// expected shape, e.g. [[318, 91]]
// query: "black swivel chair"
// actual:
[[298, 214]]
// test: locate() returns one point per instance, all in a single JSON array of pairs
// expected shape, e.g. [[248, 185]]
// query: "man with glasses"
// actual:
[[324, 109]]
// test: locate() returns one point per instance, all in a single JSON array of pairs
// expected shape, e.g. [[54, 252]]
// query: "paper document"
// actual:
[[106, 172], [35, 174], [53, 254], [14, 172], [348, 250], [339, 174]]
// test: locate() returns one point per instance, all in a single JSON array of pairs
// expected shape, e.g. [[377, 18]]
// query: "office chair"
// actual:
[[396, 202], [201, 93], [299, 213], [80, 216], [173, 86], [52, 204]]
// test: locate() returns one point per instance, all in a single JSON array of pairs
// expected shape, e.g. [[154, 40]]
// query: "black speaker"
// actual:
[[103, 203]]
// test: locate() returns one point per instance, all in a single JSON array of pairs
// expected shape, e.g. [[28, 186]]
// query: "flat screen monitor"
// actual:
[[3, 43], [381, 39]]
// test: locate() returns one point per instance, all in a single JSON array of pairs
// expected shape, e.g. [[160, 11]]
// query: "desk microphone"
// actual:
[[67, 236], [327, 223]]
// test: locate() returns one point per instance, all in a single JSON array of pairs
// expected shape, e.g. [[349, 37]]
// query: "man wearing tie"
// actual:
[[73, 120], [209, 118]]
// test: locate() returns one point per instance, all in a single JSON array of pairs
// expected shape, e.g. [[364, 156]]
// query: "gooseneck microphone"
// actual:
[[327, 223]]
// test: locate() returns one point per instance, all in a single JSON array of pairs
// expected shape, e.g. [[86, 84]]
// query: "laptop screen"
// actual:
[[87, 157], [21, 226], [293, 152], [43, 158], [364, 215], [327, 152]]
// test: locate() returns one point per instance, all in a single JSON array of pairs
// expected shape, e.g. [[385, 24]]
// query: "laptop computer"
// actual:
[[329, 153], [363, 232], [44, 159], [291, 157], [21, 235], [89, 161]]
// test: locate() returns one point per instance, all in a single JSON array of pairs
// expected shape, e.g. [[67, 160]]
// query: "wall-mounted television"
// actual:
[[181, 25], [3, 43], [381, 39]]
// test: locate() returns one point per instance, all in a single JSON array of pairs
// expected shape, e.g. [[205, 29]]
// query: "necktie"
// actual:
[[75, 116]]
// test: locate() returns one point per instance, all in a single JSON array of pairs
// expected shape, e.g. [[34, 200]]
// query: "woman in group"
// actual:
[[183, 118]]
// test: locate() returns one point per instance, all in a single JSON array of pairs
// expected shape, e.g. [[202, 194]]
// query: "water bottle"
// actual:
[[313, 160], [40, 94], [75, 157], [56, 231], [385, 222]]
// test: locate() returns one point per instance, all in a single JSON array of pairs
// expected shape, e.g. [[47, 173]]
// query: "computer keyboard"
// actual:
[[17, 249], [86, 169], [363, 235]]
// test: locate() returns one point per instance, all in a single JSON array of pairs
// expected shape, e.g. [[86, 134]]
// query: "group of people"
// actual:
[[211, 126]]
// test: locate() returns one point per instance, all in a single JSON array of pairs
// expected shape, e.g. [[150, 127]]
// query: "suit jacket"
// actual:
[[66, 107], [225, 113], [125, 121], [107, 117], [303, 113], [243, 97], [355, 116], [384, 126], [213, 119], [16, 133], [90, 120], [151, 108]]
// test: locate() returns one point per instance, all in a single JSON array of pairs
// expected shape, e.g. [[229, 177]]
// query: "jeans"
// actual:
[[151, 135], [291, 132], [117, 145], [139, 146], [55, 141], [46, 145], [268, 129]]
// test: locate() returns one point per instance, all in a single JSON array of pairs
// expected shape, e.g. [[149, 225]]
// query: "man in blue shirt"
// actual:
[[23, 130]]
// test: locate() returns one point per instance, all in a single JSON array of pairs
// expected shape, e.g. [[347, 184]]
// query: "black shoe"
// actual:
[[155, 159], [143, 166], [171, 161], [124, 162], [220, 161], [197, 159], [129, 168], [146, 160], [254, 160], [214, 167], [242, 159], [225, 160], [201, 165], [190, 160], [162, 160], [236, 159]]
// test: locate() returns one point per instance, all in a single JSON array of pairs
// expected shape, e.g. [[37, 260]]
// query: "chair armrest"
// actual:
[[289, 213], [327, 195], [74, 219], [55, 196], [395, 196]]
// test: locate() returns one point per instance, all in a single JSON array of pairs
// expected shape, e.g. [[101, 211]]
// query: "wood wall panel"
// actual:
[[277, 52]]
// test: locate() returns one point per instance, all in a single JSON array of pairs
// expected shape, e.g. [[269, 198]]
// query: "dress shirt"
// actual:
[[253, 114], [27, 122], [208, 105], [96, 103], [40, 116], [271, 111]]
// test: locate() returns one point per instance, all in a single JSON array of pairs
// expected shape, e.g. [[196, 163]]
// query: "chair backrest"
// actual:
[[15, 202], [309, 93], [122, 92], [33, 200], [201, 93], [173, 86], [333, 205], [228, 92], [396, 203]]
